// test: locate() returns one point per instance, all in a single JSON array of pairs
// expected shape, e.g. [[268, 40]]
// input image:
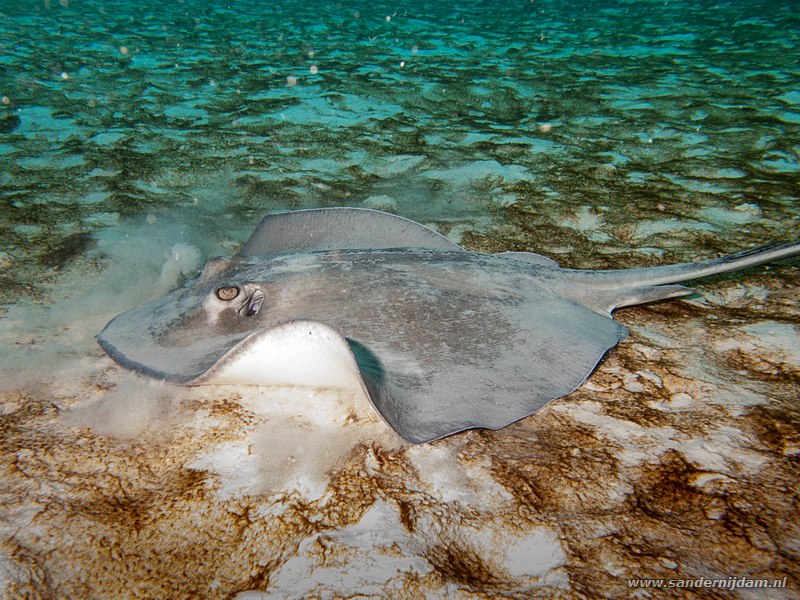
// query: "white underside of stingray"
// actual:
[[299, 353], [440, 339]]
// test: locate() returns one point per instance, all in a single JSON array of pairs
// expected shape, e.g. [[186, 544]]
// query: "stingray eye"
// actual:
[[227, 293]]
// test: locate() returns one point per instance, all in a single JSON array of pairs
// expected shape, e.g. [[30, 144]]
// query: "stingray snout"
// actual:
[[249, 296]]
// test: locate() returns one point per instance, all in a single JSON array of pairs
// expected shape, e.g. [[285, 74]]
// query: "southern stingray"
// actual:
[[440, 338]]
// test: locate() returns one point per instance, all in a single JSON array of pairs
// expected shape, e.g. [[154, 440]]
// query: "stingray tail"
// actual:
[[626, 287], [627, 278]]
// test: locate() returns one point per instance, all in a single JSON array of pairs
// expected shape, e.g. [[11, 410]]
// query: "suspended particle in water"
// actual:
[[414, 49], [357, 15], [123, 50], [151, 219], [6, 100], [402, 64], [291, 81], [314, 69], [388, 18], [545, 127], [310, 54], [64, 75]]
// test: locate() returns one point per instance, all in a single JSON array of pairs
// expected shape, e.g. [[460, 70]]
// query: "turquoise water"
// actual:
[[138, 139], [570, 128]]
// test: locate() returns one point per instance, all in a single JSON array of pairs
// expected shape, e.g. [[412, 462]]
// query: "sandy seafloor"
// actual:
[[138, 139]]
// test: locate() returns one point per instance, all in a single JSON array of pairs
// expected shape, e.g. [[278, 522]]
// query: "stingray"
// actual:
[[441, 339]]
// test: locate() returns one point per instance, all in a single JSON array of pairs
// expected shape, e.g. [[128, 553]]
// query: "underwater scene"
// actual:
[[139, 140]]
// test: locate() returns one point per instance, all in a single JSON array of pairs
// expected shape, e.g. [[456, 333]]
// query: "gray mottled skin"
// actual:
[[444, 339]]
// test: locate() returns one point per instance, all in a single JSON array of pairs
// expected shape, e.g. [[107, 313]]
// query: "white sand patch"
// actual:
[[107, 138], [647, 228], [678, 402], [587, 221], [469, 173], [302, 435], [530, 559], [451, 480], [736, 399], [38, 122], [792, 97], [318, 166], [780, 341], [744, 213], [55, 348], [723, 449], [534, 554], [390, 166], [706, 186], [381, 202], [376, 554], [632, 384], [717, 173], [133, 408], [457, 232], [238, 471], [343, 110], [369, 556], [186, 111], [639, 444], [183, 261]]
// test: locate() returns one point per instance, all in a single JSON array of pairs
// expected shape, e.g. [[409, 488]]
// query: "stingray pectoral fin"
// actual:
[[502, 368], [302, 353]]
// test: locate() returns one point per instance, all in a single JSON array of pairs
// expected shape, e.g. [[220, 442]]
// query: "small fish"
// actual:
[[440, 339]]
